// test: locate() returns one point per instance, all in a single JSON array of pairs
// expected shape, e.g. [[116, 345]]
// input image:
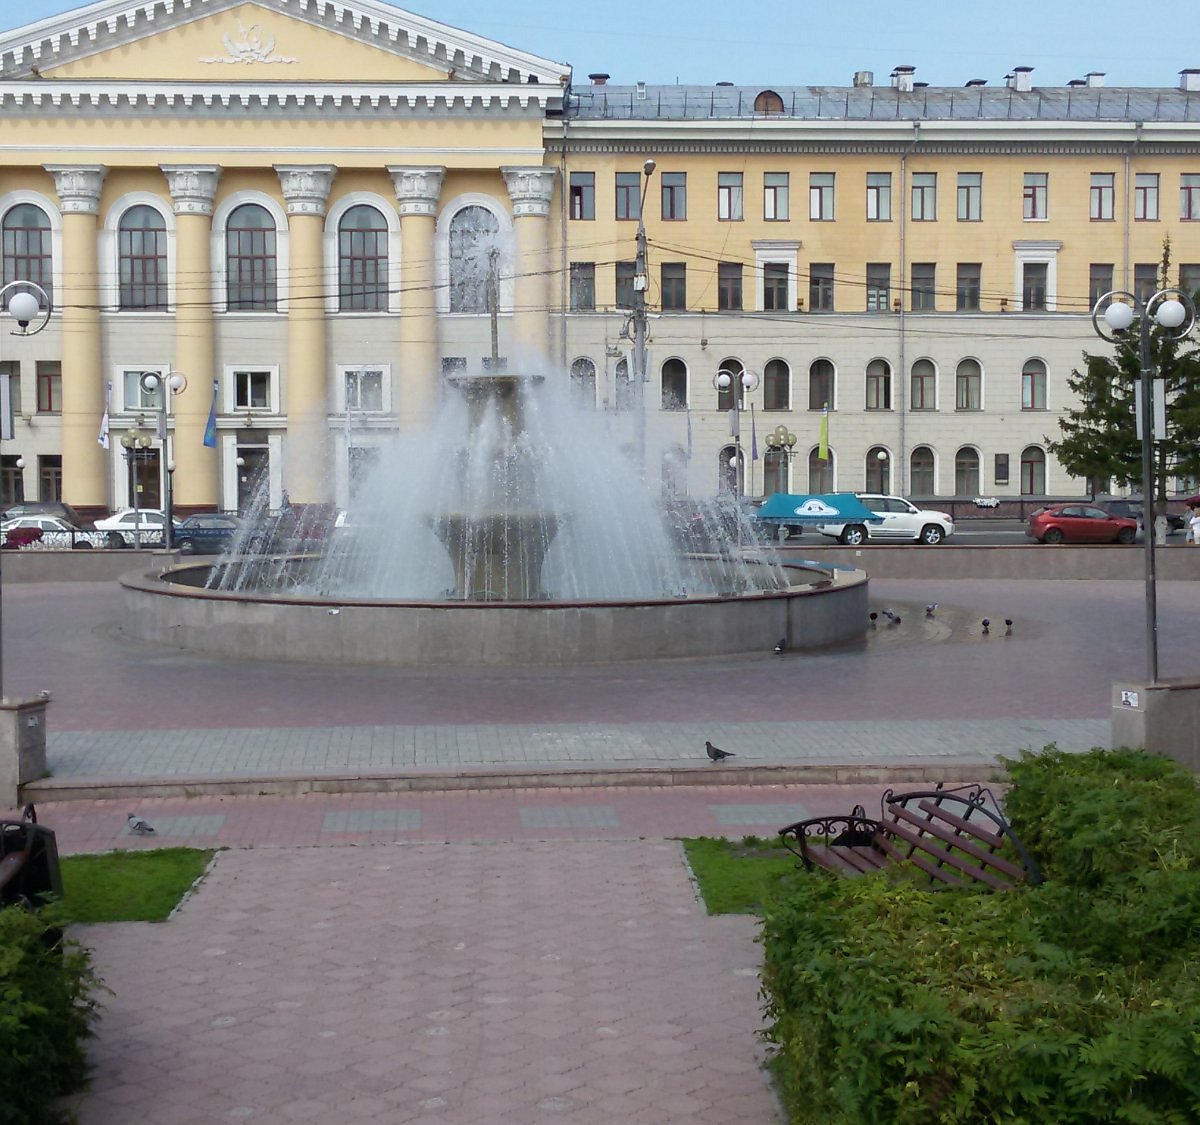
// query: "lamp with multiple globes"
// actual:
[[724, 380]]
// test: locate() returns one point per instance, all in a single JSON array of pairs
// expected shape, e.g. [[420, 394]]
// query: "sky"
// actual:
[[810, 42]]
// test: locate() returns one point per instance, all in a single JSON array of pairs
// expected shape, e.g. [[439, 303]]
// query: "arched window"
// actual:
[[674, 385], [923, 386], [820, 385], [674, 472], [921, 472], [968, 386], [775, 471], [142, 259], [966, 472], [768, 102], [879, 385], [250, 266], [27, 252], [1033, 385], [363, 260], [725, 399], [474, 259], [820, 472], [1033, 471], [878, 470], [729, 475], [622, 390], [777, 386], [583, 380]]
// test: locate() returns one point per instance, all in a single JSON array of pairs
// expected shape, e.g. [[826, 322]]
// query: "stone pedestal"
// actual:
[[22, 746], [1161, 718]]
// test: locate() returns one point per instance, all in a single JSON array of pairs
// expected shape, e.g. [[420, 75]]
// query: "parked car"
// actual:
[[902, 521], [146, 524], [48, 531], [1080, 523], [1131, 507], [42, 508], [212, 533]]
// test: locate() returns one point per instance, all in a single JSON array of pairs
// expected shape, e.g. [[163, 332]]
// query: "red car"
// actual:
[[1080, 523]]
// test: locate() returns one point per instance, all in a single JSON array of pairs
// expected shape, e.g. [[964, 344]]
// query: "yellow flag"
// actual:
[[823, 436]]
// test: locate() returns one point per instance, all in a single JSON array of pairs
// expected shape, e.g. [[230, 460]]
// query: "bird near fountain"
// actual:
[[716, 754], [987, 627], [931, 609], [139, 826], [1008, 626], [781, 646]]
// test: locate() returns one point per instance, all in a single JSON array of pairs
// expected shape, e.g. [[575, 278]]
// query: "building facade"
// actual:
[[312, 210]]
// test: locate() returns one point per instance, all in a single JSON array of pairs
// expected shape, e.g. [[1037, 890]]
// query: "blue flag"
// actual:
[[210, 428]]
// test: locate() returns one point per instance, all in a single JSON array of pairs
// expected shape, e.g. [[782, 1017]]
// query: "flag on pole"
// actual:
[[823, 436], [210, 428], [103, 438], [753, 436]]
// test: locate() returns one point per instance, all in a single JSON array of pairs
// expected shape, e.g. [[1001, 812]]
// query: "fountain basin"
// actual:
[[825, 606]]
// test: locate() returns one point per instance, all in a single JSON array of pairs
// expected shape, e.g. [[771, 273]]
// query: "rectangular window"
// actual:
[[820, 287], [583, 195], [879, 286], [1189, 196], [922, 393], [1100, 281], [674, 286], [583, 286], [252, 390], [629, 196], [1189, 282], [10, 372], [967, 286], [364, 389], [970, 197], [49, 386], [729, 197], [1035, 197], [879, 196], [924, 287], [820, 196], [1145, 197], [674, 196], [1145, 280], [968, 386], [134, 395], [1001, 471], [625, 275], [879, 385], [729, 286], [775, 287], [924, 197], [1100, 196], [776, 208], [1034, 280]]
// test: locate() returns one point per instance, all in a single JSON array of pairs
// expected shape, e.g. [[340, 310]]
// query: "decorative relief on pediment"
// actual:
[[250, 45]]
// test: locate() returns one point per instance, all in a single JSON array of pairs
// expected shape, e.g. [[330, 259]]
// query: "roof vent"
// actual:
[[1077, 82], [902, 78], [864, 78], [641, 91], [724, 83], [1095, 78], [599, 79], [976, 82], [1189, 80], [920, 85], [1021, 79]]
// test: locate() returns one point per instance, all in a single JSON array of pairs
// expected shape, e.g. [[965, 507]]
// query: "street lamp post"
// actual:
[[782, 440], [27, 303], [641, 281], [1173, 312], [724, 380], [162, 388], [134, 442]]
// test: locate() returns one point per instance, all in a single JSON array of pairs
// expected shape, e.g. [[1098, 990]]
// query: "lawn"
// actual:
[[129, 886], [739, 876]]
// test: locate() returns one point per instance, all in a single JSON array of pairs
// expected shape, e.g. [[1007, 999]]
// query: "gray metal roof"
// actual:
[[885, 103]]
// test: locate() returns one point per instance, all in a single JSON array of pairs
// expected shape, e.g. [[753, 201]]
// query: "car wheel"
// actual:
[[1126, 535], [854, 535], [81, 545], [1053, 535], [932, 535], [116, 540], [185, 546]]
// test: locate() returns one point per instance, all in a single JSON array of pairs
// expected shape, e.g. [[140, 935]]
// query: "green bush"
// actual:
[[47, 1006], [1075, 1001]]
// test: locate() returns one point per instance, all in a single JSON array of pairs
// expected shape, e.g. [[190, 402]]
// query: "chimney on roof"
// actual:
[[1189, 80], [976, 82], [1095, 78], [641, 91], [724, 83], [1021, 79], [1077, 82], [902, 78], [864, 78], [599, 79]]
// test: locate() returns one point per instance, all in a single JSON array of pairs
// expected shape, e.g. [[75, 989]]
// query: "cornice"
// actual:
[[637, 146]]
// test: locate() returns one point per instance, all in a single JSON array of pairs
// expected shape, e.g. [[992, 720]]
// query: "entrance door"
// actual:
[[252, 476]]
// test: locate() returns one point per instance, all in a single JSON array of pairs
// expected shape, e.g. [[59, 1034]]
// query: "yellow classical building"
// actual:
[[312, 210]]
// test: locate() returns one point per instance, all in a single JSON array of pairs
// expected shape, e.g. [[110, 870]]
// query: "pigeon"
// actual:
[[781, 646], [29, 813], [986, 626], [874, 617], [890, 615], [716, 753], [1008, 626], [930, 609], [139, 826]]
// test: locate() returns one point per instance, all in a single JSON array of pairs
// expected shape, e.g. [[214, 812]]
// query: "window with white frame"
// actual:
[[966, 472], [968, 385], [250, 259], [1033, 385], [1145, 197], [27, 246], [729, 197], [1100, 196], [1035, 194], [879, 196], [879, 286], [924, 197], [364, 389], [142, 259], [775, 197], [921, 471], [251, 389], [1036, 278], [1189, 196], [922, 391], [137, 397], [970, 197], [820, 197], [879, 385]]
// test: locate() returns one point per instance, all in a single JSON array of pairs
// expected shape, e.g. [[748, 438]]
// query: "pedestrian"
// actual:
[[1193, 525]]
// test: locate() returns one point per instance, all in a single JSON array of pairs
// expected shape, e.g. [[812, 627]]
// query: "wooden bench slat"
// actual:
[[899, 855], [931, 858], [835, 860], [975, 827], [961, 842]]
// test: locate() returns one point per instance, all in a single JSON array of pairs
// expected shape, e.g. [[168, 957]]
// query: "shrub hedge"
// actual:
[[47, 1007], [1074, 1001]]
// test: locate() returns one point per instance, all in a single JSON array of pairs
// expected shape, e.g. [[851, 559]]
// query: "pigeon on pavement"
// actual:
[[716, 753], [139, 826], [781, 646]]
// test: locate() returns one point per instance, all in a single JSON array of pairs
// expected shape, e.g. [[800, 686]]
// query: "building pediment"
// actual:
[[293, 41]]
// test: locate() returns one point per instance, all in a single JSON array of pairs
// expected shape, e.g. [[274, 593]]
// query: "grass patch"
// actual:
[[739, 876], [129, 886]]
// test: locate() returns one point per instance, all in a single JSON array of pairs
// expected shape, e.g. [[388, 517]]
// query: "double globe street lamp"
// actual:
[[1170, 311], [747, 381], [160, 389]]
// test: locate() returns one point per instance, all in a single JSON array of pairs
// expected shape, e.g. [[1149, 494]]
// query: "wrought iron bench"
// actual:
[[957, 837], [29, 868]]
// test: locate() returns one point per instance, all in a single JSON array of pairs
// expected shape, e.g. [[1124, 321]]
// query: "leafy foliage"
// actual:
[[47, 1006], [1074, 1001]]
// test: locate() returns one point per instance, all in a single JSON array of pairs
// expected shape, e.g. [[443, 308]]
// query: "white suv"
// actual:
[[901, 521]]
